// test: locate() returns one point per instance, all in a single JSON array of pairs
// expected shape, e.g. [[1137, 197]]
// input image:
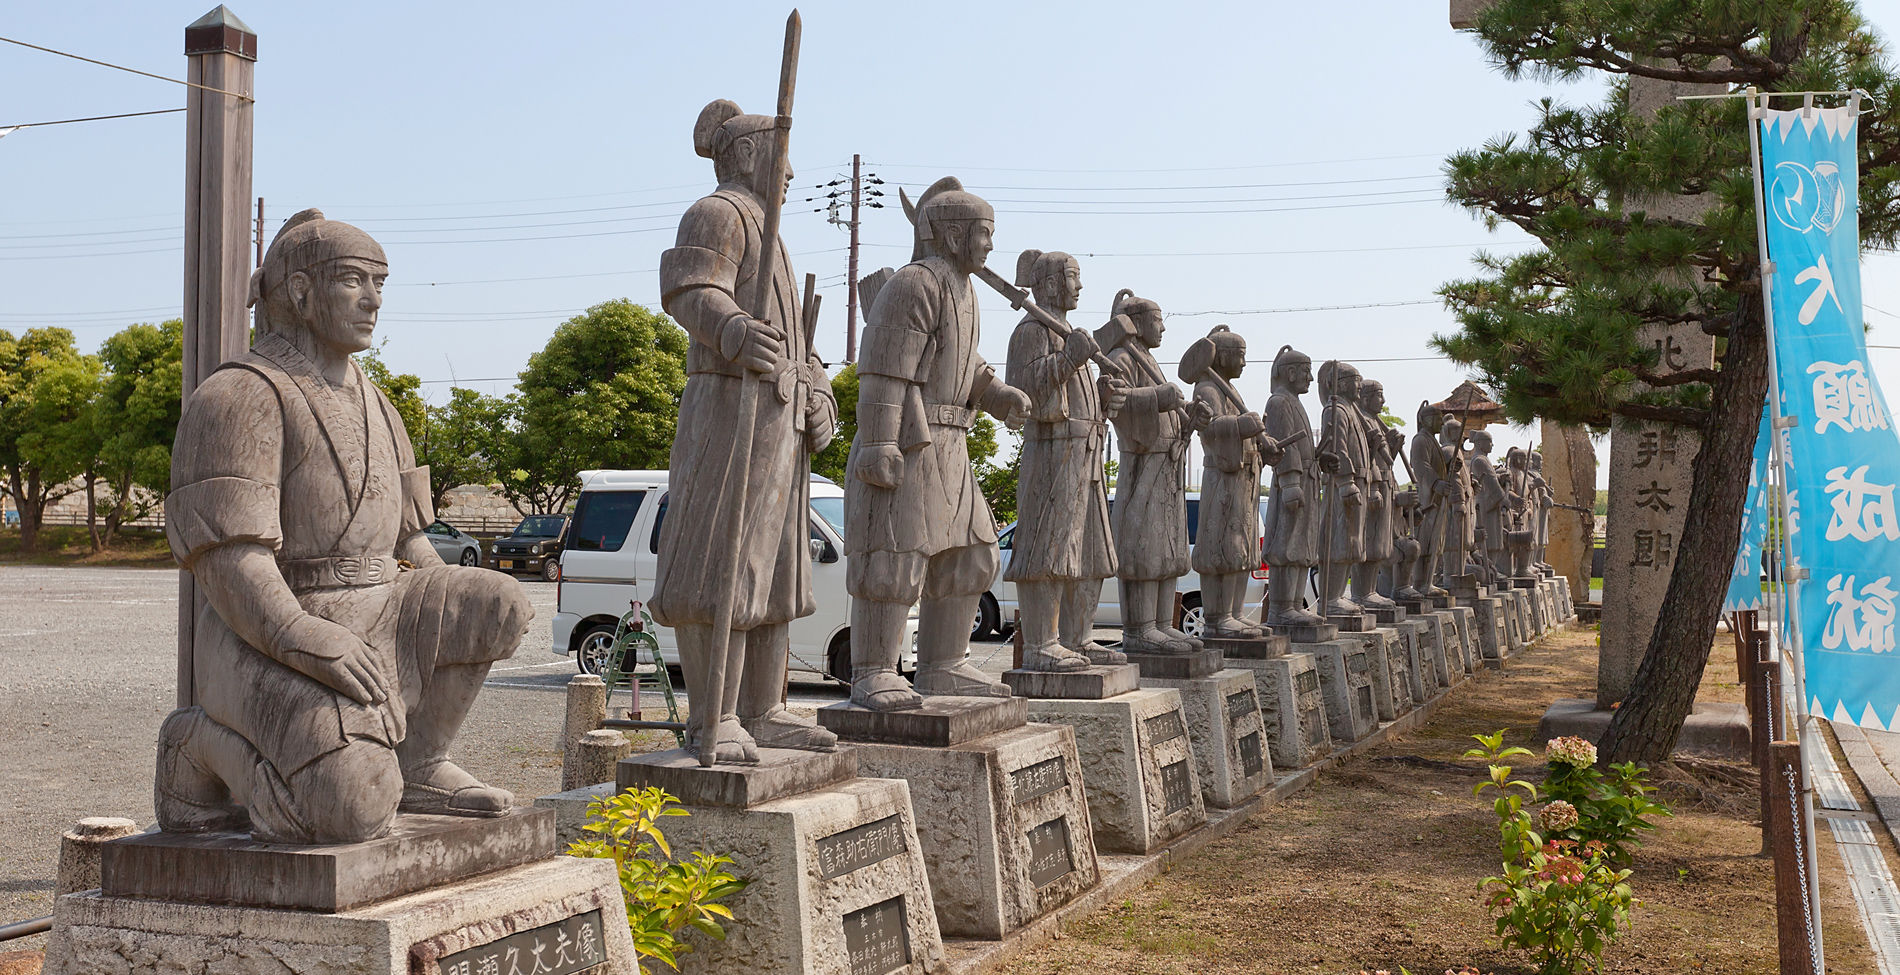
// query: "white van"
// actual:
[[998, 607], [612, 557]]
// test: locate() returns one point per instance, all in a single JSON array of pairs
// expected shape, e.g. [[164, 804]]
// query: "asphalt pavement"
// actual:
[[88, 671]]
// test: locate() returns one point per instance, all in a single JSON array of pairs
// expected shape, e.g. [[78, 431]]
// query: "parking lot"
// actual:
[[88, 670]]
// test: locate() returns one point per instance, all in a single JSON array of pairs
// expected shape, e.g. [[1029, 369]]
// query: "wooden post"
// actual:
[[1741, 626], [1765, 723], [1797, 918], [223, 55]]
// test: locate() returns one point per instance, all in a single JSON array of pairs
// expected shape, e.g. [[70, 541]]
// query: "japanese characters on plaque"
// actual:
[[877, 938], [1242, 702], [860, 846], [1049, 856], [569, 945], [1039, 779], [1166, 727], [1252, 762], [1177, 787]]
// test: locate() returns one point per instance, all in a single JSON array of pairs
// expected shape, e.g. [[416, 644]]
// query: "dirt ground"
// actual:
[[1378, 865]]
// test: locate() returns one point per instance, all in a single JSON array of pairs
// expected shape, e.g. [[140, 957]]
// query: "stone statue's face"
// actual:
[[338, 302], [1230, 357], [1481, 442], [1149, 328], [1372, 397], [1431, 421], [967, 243], [1298, 376], [1452, 432], [748, 157], [1346, 385], [1067, 287], [1537, 461]]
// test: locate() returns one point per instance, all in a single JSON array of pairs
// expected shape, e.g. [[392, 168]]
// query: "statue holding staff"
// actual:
[[1431, 480], [1345, 461], [1231, 442], [1382, 486]]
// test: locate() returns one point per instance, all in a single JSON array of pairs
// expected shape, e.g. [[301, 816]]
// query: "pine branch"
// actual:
[[1682, 416], [1681, 378]]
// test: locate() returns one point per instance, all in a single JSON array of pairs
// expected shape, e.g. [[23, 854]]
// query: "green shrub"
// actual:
[[664, 896]]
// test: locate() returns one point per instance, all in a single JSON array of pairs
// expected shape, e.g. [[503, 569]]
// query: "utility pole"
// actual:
[[851, 266], [260, 233]]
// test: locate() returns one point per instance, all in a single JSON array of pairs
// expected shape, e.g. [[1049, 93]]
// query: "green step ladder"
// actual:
[[635, 662]]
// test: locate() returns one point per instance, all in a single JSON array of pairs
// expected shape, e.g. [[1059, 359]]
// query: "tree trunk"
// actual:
[[122, 503], [32, 509], [92, 511], [1662, 694]]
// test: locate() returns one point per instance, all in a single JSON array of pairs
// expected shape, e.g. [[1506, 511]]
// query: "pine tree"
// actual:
[[1555, 332]]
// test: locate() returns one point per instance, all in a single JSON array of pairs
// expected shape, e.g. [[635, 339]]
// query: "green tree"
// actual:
[[404, 391], [135, 419], [46, 438], [1556, 332], [831, 460], [604, 393], [996, 481], [462, 439]]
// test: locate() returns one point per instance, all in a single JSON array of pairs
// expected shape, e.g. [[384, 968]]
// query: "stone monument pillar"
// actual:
[[1570, 466]]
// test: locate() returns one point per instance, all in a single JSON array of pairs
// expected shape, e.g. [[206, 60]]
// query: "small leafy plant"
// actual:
[[664, 896], [1610, 808], [1559, 900]]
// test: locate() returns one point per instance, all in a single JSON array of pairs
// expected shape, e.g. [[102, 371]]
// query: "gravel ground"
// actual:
[[87, 672]]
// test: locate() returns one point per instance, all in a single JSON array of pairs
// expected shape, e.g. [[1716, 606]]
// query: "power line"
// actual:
[[1434, 198], [121, 67], [90, 118], [1218, 186], [1283, 311], [1197, 169]]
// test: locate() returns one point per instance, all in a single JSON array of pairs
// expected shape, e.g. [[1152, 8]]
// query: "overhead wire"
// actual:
[[89, 118], [121, 67]]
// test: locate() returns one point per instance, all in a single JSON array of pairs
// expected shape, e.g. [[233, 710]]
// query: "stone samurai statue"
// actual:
[[917, 526], [1234, 443], [336, 656], [1431, 480], [1149, 518], [1062, 549], [1292, 542], [713, 261]]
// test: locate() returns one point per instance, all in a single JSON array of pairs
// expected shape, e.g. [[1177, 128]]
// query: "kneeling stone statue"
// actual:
[[336, 655]]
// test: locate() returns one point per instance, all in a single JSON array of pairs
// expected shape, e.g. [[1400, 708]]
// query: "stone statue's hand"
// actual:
[[1168, 396], [821, 419], [1250, 425], [1352, 496], [1202, 415], [752, 343], [1292, 499], [1329, 462], [1006, 403], [882, 465], [1080, 346], [1114, 395], [331, 655]]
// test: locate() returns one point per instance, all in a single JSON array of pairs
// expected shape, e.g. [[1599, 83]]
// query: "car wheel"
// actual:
[[838, 658], [471, 557], [551, 570], [1193, 618], [988, 618], [595, 651]]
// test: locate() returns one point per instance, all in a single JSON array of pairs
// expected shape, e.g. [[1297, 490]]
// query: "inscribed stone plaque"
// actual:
[[1049, 857], [877, 938], [1251, 761], [1039, 779], [569, 945], [1165, 727], [1243, 702], [860, 846], [1308, 681], [1177, 787]]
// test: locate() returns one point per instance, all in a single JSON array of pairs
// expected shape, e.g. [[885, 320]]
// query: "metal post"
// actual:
[[223, 55], [851, 265], [260, 233]]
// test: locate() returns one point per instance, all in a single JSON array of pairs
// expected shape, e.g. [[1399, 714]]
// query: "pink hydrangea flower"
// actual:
[[1571, 750], [1557, 816]]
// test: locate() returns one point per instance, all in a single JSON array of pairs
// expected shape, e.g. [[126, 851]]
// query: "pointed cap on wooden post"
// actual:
[[221, 32]]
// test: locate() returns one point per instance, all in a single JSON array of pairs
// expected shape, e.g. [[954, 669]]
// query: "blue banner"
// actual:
[[1745, 582], [1841, 454]]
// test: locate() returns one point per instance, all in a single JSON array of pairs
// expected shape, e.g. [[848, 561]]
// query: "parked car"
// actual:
[[999, 605], [455, 547], [534, 547], [612, 557]]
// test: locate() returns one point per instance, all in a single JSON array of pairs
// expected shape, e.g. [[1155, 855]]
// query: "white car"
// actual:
[[612, 557], [998, 608]]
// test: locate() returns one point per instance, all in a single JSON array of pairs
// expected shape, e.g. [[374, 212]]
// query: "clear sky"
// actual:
[[1246, 163]]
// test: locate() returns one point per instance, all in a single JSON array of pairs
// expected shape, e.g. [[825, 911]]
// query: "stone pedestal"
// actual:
[[1345, 681], [418, 853], [1092, 684], [1418, 679], [1565, 601], [1540, 611], [568, 909], [1526, 627], [1177, 666], [837, 882], [1353, 622], [1292, 709], [1264, 648], [1313, 633], [1137, 763], [1391, 672], [1488, 628], [942, 721], [1007, 835], [1468, 657], [1224, 723], [1432, 649], [780, 772], [1513, 626], [1389, 615]]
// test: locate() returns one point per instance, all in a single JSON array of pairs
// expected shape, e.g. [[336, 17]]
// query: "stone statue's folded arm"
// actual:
[[222, 520]]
